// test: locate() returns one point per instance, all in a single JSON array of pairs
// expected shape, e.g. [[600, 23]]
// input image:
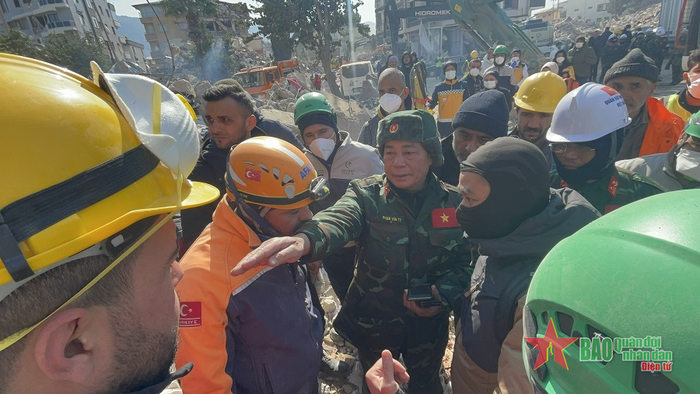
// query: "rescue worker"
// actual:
[[637, 41], [687, 101], [89, 246], [491, 82], [339, 159], [679, 168], [651, 46], [448, 95], [409, 246], [258, 333], [506, 75], [586, 134], [230, 115], [643, 263], [393, 97], [535, 102], [511, 219], [582, 57], [653, 129], [612, 52], [473, 55], [519, 67], [481, 118], [473, 79]]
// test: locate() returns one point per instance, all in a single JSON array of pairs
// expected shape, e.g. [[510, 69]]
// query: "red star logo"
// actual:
[[551, 344]]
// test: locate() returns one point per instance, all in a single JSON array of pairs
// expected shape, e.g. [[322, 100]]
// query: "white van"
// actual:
[[352, 75]]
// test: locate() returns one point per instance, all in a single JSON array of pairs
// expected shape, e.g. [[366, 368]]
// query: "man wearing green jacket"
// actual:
[[408, 237]]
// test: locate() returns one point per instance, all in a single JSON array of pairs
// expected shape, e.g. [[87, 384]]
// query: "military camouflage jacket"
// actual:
[[395, 248], [614, 188]]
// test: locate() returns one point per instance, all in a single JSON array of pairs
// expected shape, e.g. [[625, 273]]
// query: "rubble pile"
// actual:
[[635, 14]]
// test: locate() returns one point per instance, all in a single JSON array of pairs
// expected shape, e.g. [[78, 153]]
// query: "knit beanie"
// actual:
[[317, 118], [448, 63], [486, 111], [635, 64], [416, 126]]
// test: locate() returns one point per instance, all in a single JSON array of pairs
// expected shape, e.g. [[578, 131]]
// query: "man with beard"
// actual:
[[260, 332], [481, 118], [679, 168], [586, 134], [512, 219], [534, 104], [393, 97], [231, 118], [88, 243], [653, 129], [406, 66]]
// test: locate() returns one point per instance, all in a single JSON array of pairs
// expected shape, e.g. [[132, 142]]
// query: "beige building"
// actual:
[[232, 18], [41, 18]]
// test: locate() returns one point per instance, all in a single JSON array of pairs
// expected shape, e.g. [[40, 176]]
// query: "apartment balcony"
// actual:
[[116, 23], [40, 7], [58, 27], [151, 37]]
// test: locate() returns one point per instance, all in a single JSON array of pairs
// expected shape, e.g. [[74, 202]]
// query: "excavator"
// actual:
[[487, 24], [484, 21]]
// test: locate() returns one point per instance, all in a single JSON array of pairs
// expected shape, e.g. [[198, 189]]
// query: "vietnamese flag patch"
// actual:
[[444, 218]]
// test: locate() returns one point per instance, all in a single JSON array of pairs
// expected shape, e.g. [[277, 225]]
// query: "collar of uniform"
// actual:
[[432, 181], [642, 118], [160, 386]]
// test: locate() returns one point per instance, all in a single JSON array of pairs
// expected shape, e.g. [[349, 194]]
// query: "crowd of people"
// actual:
[[424, 216]]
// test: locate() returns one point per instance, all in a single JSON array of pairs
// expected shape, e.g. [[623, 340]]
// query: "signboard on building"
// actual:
[[441, 11]]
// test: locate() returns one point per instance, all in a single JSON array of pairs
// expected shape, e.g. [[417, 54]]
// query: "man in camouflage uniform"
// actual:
[[407, 234], [586, 135]]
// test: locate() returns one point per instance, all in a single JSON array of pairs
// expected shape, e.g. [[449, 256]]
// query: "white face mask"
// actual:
[[450, 74], [499, 60], [694, 87], [475, 71], [579, 45], [560, 59], [515, 59], [322, 147], [490, 84], [390, 102]]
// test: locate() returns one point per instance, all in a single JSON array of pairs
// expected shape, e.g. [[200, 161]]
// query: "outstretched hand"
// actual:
[[385, 375], [273, 252]]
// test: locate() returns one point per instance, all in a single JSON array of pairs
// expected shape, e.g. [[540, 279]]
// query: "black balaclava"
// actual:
[[606, 149], [518, 174]]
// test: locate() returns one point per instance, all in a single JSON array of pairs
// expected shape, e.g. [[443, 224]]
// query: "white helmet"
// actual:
[[588, 113], [660, 31]]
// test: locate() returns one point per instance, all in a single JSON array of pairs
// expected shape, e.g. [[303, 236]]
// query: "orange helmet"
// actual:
[[271, 172]]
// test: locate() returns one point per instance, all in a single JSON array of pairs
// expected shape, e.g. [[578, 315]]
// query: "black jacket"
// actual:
[[211, 168], [448, 172]]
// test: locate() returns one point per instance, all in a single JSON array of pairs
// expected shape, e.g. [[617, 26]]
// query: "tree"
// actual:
[[193, 10], [276, 20], [320, 20], [75, 53], [20, 44], [314, 22]]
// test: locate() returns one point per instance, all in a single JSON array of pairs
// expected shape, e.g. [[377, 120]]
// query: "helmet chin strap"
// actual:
[[262, 225]]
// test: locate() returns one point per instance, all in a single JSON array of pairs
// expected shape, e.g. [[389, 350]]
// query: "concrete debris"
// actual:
[[636, 14]]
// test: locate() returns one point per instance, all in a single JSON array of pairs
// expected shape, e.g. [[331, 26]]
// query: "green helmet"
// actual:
[[500, 50], [632, 273], [692, 126], [312, 103]]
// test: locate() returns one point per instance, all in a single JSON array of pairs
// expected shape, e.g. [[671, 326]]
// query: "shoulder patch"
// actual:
[[638, 178]]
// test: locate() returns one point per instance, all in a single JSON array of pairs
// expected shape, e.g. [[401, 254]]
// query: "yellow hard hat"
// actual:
[[617, 31], [540, 92], [82, 162], [271, 172], [474, 54]]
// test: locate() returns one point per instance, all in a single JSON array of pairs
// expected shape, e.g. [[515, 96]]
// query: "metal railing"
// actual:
[[45, 2], [54, 25]]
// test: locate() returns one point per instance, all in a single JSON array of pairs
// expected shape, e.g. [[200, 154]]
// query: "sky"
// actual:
[[124, 7]]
